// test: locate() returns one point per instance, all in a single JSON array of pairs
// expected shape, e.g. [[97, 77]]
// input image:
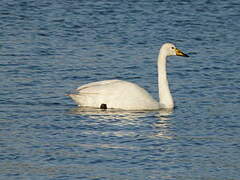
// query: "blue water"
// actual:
[[49, 48]]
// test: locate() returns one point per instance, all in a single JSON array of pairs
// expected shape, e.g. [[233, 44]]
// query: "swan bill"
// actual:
[[180, 53]]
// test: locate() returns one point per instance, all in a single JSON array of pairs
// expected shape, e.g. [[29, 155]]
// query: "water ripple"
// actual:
[[50, 48]]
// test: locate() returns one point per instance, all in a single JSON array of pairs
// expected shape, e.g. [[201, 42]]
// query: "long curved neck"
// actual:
[[165, 97]]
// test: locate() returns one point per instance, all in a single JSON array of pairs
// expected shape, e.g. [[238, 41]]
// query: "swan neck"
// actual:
[[165, 97]]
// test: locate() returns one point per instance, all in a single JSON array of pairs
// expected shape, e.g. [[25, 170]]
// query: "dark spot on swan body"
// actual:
[[103, 106]]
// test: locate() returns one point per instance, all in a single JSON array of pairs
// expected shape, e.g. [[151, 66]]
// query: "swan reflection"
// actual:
[[131, 126], [163, 124], [110, 114], [160, 118]]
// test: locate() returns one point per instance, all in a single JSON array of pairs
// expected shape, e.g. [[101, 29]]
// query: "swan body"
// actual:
[[116, 94], [119, 94]]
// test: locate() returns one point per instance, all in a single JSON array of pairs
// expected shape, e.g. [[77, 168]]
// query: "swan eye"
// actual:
[[173, 47]]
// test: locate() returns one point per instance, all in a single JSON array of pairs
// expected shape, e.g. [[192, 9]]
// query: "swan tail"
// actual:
[[83, 99], [76, 98]]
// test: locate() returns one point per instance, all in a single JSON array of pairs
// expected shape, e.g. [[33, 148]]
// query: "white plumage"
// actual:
[[115, 94], [125, 95]]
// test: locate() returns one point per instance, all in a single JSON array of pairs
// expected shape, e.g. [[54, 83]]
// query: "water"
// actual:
[[49, 48]]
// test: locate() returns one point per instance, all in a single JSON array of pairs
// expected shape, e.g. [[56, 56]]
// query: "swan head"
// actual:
[[169, 49]]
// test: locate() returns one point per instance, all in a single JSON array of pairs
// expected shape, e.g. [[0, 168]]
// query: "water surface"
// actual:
[[49, 48]]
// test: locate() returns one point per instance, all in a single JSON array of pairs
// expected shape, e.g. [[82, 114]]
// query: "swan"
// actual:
[[119, 94]]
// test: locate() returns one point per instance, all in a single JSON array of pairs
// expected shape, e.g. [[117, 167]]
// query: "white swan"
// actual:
[[126, 95]]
